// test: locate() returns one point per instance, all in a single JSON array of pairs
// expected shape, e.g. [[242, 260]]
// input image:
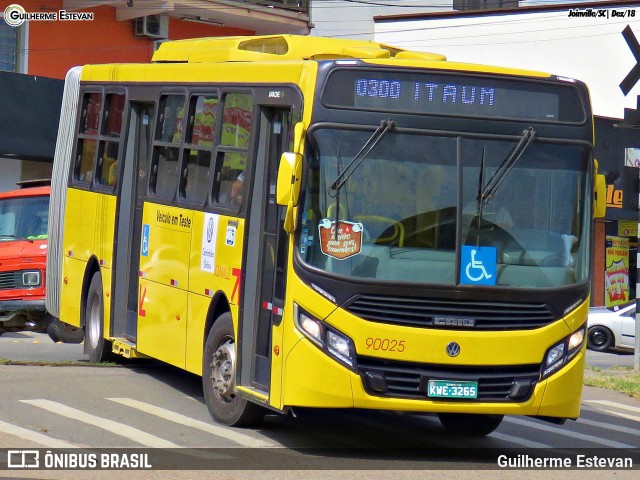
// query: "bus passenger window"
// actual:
[[195, 180], [236, 120], [196, 153], [171, 119], [85, 154], [90, 114], [165, 172], [231, 172], [107, 163]]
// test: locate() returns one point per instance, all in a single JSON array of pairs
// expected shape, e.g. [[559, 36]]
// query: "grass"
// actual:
[[620, 379], [6, 361]]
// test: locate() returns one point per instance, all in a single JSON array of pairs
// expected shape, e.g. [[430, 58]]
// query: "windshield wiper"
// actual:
[[369, 145], [489, 190]]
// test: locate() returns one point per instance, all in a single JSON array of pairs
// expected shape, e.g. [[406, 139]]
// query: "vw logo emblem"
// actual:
[[453, 349], [210, 230]]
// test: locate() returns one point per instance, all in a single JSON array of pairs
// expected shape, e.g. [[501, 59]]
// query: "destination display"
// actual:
[[464, 95]]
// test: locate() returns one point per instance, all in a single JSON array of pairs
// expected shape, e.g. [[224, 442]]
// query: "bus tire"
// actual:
[[95, 345], [469, 424], [218, 378], [61, 332]]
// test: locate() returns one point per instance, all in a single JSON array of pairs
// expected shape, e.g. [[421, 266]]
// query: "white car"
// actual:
[[612, 328]]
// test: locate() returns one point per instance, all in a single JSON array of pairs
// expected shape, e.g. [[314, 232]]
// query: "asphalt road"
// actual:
[[150, 403]]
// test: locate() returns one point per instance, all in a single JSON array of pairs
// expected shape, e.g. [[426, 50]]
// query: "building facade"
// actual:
[[60, 34]]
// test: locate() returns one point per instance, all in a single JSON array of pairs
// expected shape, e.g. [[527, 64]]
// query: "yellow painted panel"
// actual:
[[274, 72], [312, 379], [561, 397], [71, 290], [197, 309], [105, 223], [106, 287], [162, 322], [214, 266], [216, 260], [80, 224], [428, 345], [169, 240]]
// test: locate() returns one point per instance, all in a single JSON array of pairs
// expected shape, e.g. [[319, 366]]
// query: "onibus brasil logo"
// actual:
[[15, 15]]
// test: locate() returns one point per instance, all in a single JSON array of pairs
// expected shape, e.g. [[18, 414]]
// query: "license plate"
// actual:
[[451, 389]]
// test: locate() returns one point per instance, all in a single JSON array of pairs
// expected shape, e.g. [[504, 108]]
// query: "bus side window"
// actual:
[[87, 145], [194, 181], [237, 121], [231, 171], [166, 146], [107, 162], [165, 171], [196, 153], [86, 149]]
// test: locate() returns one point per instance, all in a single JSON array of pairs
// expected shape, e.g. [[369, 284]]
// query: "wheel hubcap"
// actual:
[[223, 371], [598, 338], [94, 322]]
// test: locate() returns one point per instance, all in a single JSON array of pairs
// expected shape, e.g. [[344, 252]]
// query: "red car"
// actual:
[[24, 215]]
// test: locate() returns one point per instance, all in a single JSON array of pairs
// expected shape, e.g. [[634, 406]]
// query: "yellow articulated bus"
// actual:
[[309, 222]]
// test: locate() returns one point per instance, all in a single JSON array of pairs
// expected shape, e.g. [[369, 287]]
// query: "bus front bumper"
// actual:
[[313, 379]]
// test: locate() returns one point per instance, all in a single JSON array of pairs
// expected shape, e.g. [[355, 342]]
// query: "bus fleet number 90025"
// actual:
[[385, 344]]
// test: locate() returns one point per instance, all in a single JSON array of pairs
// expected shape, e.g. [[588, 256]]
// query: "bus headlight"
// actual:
[[31, 278], [332, 342], [563, 351]]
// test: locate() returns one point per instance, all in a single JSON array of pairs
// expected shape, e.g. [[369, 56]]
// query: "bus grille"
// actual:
[[410, 380], [10, 280], [458, 314]]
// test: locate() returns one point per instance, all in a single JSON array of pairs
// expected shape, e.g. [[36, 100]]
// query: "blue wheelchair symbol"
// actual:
[[478, 265], [144, 250]]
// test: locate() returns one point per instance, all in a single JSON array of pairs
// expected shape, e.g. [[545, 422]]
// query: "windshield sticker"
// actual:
[[346, 243], [478, 265], [209, 236]]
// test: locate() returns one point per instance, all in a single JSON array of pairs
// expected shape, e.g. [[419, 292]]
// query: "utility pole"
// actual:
[[632, 120]]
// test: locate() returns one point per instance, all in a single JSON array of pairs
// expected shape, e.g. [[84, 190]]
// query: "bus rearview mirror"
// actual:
[[600, 200], [288, 187], [289, 173]]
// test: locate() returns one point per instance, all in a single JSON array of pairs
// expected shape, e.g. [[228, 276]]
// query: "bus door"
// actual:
[[124, 310], [265, 253]]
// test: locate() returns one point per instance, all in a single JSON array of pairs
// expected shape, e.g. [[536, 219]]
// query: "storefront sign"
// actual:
[[617, 271], [627, 228]]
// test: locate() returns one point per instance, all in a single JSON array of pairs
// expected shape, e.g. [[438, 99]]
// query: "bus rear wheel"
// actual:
[[219, 375], [61, 332], [95, 345], [470, 425]]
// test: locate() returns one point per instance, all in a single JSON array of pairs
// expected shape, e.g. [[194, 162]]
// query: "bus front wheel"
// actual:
[[95, 345], [219, 375], [468, 424]]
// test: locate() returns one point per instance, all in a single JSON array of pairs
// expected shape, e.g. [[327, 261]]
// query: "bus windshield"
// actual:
[[411, 208]]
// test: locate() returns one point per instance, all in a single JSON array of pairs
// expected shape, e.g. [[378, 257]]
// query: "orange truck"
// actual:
[[24, 214]]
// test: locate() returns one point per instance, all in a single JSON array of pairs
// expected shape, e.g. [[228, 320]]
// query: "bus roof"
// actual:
[[278, 47], [269, 50]]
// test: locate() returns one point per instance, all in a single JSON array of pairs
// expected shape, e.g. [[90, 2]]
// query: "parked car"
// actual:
[[612, 328]]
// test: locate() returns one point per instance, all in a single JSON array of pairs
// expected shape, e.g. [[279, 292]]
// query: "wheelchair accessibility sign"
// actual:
[[478, 265]]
